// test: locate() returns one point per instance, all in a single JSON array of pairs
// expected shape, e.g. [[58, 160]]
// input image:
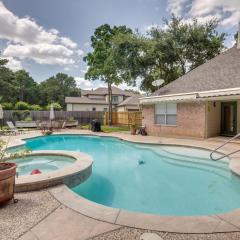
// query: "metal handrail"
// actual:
[[225, 155]]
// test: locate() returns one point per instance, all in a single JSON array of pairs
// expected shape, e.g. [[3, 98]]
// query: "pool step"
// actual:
[[220, 168]]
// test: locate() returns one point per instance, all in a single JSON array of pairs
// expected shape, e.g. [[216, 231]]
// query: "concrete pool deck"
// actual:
[[115, 221]]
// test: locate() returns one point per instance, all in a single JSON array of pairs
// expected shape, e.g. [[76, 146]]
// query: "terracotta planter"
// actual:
[[7, 181]]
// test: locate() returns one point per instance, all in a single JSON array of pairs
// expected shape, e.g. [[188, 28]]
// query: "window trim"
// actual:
[[165, 116]]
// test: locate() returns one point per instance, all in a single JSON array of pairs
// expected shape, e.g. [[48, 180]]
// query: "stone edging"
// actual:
[[228, 222], [71, 175]]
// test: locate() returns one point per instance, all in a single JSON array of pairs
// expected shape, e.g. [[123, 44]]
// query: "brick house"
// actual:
[[203, 103]]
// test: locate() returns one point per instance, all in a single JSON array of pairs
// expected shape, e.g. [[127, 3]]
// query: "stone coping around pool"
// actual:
[[227, 222], [72, 175]]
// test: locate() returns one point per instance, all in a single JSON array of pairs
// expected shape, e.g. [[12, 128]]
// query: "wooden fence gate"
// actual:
[[125, 118]]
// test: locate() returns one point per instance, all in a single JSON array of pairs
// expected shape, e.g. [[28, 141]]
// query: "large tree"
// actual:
[[167, 53], [7, 80], [56, 88], [101, 62], [26, 88]]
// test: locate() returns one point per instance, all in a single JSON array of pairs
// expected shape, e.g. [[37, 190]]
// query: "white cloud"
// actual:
[[84, 70], [22, 30], [88, 85], [68, 42], [136, 88], [227, 11], [87, 44], [176, 6], [41, 53], [14, 64], [80, 52], [28, 40], [151, 26]]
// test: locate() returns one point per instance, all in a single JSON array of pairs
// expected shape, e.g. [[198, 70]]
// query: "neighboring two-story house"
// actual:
[[98, 99]]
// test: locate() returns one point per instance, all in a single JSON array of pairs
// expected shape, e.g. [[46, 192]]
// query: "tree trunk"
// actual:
[[109, 104]]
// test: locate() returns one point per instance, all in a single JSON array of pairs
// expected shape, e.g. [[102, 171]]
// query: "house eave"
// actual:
[[221, 94]]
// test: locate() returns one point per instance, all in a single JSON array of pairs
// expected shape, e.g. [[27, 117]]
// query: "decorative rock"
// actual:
[[150, 236]]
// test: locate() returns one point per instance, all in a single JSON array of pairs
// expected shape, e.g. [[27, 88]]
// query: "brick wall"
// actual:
[[190, 121]]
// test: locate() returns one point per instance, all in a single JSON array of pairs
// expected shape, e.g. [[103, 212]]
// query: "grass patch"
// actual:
[[109, 129]]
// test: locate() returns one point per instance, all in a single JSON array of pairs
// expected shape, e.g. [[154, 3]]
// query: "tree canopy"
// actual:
[[166, 53], [56, 88], [101, 62], [18, 89]]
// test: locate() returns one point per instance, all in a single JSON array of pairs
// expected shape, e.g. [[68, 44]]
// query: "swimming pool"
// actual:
[[44, 163], [166, 180]]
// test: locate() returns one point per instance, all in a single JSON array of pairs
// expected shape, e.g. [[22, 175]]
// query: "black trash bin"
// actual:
[[96, 125]]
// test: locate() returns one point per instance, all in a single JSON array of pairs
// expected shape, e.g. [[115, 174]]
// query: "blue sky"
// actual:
[[50, 36]]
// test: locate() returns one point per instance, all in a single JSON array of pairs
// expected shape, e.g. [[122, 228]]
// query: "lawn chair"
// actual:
[[13, 129]]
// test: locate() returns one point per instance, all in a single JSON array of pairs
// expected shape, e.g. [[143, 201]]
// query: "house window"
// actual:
[[105, 109], [94, 109], [115, 99], [166, 113]]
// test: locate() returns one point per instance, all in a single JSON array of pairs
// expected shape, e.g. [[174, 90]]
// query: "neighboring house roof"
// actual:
[[85, 100], [221, 72], [104, 91], [133, 100]]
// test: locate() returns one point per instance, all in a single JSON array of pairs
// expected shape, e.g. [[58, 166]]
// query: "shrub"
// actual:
[[7, 106], [22, 106], [20, 115], [56, 106], [71, 119], [35, 107], [28, 119]]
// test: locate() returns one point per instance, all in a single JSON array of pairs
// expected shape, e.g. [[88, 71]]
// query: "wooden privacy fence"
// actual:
[[125, 118], [83, 117]]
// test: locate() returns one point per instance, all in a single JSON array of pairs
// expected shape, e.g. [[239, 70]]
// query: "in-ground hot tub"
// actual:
[[43, 163], [56, 167]]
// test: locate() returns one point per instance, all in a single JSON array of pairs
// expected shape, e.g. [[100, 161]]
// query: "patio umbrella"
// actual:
[[1, 115], [52, 113]]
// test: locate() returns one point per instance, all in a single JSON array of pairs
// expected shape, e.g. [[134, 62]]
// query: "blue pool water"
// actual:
[[167, 180]]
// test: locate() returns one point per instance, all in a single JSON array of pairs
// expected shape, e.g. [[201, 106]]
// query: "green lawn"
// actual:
[[109, 129]]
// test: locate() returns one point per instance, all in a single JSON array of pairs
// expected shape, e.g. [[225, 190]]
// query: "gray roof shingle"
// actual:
[[134, 100], [221, 72], [104, 91], [85, 100]]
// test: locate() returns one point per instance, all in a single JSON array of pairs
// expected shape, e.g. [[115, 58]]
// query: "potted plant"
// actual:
[[7, 173], [133, 122], [7, 176], [133, 129]]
